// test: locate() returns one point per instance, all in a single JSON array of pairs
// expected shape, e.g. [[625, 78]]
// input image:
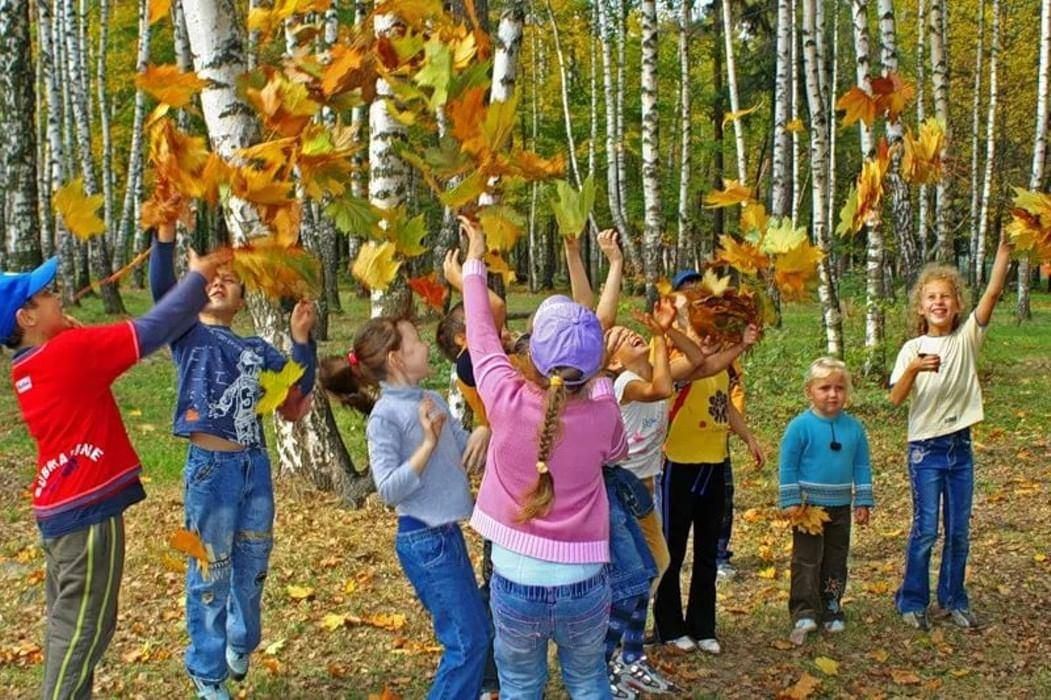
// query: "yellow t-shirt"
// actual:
[[698, 422]]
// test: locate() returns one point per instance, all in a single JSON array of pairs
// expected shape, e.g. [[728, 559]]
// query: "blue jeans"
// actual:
[[229, 502], [436, 563], [941, 470], [632, 568], [575, 616]]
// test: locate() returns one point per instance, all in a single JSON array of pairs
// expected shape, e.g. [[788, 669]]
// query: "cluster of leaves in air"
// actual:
[[433, 64], [1030, 226], [921, 155]]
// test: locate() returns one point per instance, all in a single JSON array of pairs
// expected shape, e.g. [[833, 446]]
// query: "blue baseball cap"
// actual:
[[566, 334], [17, 288], [683, 276]]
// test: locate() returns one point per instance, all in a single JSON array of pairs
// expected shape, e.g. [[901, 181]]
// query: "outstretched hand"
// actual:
[[476, 247], [453, 270], [304, 317]]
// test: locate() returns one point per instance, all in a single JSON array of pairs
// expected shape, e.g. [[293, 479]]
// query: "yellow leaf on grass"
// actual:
[[299, 592], [190, 544], [769, 573], [159, 9], [273, 648], [78, 210], [733, 192], [386, 621], [879, 655], [806, 686], [276, 385], [170, 85], [1040, 557], [333, 621], [375, 266], [830, 667], [903, 677]]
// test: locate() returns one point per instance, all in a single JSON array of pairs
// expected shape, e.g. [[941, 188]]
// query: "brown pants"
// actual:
[[84, 570], [819, 569]]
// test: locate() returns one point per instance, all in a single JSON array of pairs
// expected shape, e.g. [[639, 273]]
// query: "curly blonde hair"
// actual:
[[917, 324]]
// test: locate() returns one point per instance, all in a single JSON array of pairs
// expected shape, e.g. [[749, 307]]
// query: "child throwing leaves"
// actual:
[[937, 370], [824, 463], [87, 470], [229, 495], [418, 457], [542, 501]]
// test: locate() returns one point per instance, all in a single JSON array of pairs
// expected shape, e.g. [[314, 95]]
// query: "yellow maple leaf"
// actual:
[[892, 93], [1036, 203], [296, 592], [806, 686], [498, 266], [753, 217], [190, 544], [1024, 230], [713, 284], [795, 126], [921, 161], [464, 49], [810, 519], [781, 236], [375, 266], [744, 256], [276, 385], [502, 226], [333, 621], [857, 105], [170, 85], [767, 574], [830, 667], [277, 270], [733, 192], [870, 192], [285, 106], [78, 210], [386, 621], [734, 116]]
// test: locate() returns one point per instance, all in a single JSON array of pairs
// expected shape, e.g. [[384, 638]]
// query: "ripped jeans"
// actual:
[[229, 502]]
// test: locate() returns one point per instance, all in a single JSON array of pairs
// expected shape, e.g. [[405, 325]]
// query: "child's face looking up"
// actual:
[[224, 294], [409, 364], [631, 351], [828, 394], [939, 305]]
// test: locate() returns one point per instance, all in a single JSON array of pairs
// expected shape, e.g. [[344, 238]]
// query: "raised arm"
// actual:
[[454, 276], [579, 286], [607, 303], [983, 313], [715, 362], [162, 262]]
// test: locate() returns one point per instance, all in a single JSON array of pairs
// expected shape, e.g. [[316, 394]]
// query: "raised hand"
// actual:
[[304, 317], [608, 243], [751, 336], [476, 247], [207, 265], [453, 270]]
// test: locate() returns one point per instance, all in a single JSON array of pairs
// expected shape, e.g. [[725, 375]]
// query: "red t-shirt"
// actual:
[[84, 454]]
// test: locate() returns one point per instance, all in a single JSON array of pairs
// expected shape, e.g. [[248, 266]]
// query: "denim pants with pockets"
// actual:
[[575, 616], [435, 561], [229, 503], [941, 470]]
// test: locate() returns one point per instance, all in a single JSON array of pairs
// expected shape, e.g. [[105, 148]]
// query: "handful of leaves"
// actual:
[[1030, 226], [809, 519], [572, 208]]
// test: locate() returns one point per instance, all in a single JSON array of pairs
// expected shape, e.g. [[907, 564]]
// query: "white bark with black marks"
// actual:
[[731, 82], [779, 191], [685, 244], [651, 173], [133, 190], [940, 80], [1036, 175]]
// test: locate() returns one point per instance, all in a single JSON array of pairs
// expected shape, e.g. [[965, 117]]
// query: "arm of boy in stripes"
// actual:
[[789, 495], [862, 472]]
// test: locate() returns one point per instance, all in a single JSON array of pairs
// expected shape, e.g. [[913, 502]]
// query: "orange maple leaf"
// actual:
[[743, 256], [278, 271], [344, 70], [79, 210], [430, 290], [190, 544], [857, 105], [892, 94], [733, 192], [284, 106], [170, 85], [921, 162]]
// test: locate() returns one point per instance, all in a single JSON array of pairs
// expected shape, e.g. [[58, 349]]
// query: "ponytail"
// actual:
[[541, 497], [353, 378]]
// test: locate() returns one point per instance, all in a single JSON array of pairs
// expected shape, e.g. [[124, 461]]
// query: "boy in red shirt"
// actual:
[[87, 470]]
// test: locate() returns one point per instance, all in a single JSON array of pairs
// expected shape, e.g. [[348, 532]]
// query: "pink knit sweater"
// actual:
[[576, 529]]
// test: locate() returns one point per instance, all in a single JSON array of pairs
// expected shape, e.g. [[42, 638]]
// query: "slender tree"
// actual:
[[19, 137], [940, 77], [797, 186], [812, 41], [613, 161], [1036, 175], [976, 125], [731, 82], [104, 125], [133, 185], [923, 216], [651, 186], [860, 23], [779, 192], [685, 243]]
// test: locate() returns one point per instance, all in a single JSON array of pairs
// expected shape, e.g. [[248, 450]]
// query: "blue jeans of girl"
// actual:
[[229, 502], [941, 470], [435, 561], [575, 616]]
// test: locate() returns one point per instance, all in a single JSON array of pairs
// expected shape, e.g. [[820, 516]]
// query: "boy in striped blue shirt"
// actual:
[[824, 462]]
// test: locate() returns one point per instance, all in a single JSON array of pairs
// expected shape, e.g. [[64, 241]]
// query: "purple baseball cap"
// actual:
[[566, 334]]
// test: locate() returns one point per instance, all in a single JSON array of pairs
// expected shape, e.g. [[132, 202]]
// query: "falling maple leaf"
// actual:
[[498, 266], [781, 236], [284, 106], [159, 9], [921, 162], [733, 192], [430, 290], [892, 94], [190, 544], [795, 126], [78, 210], [276, 385], [857, 105], [810, 519], [169, 84], [724, 317], [869, 188], [753, 217], [571, 207], [267, 20], [743, 256], [796, 268], [375, 266], [436, 72], [344, 71], [847, 213], [734, 116], [713, 284], [502, 226], [277, 271]]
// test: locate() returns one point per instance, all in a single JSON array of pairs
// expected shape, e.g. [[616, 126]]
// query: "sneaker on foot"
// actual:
[[620, 686], [683, 643], [803, 627], [642, 676], [725, 570], [237, 663], [917, 619], [964, 619], [709, 646], [835, 626], [210, 691]]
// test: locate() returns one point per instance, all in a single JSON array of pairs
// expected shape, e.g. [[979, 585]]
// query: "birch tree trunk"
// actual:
[[45, 217], [22, 240], [133, 184], [813, 69], [976, 125], [104, 128], [940, 77], [685, 245], [535, 257], [613, 160], [731, 81], [797, 188], [830, 98], [990, 149], [98, 249], [651, 192], [860, 22], [184, 61], [1036, 176], [922, 230], [564, 87], [779, 191], [311, 446], [329, 240], [622, 181]]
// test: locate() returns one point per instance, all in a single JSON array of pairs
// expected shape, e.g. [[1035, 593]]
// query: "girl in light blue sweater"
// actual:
[[824, 462]]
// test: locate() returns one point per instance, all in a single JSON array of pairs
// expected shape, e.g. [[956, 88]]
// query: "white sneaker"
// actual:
[[835, 626], [210, 691], [683, 643], [237, 663], [803, 627], [725, 570], [709, 646]]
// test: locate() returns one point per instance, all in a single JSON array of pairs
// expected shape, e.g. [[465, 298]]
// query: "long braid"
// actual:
[[539, 499]]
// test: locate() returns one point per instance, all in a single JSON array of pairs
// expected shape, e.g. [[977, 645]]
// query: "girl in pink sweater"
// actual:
[[542, 501]]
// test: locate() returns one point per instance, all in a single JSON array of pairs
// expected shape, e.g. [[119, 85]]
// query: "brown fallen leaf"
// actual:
[[806, 686], [903, 677]]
